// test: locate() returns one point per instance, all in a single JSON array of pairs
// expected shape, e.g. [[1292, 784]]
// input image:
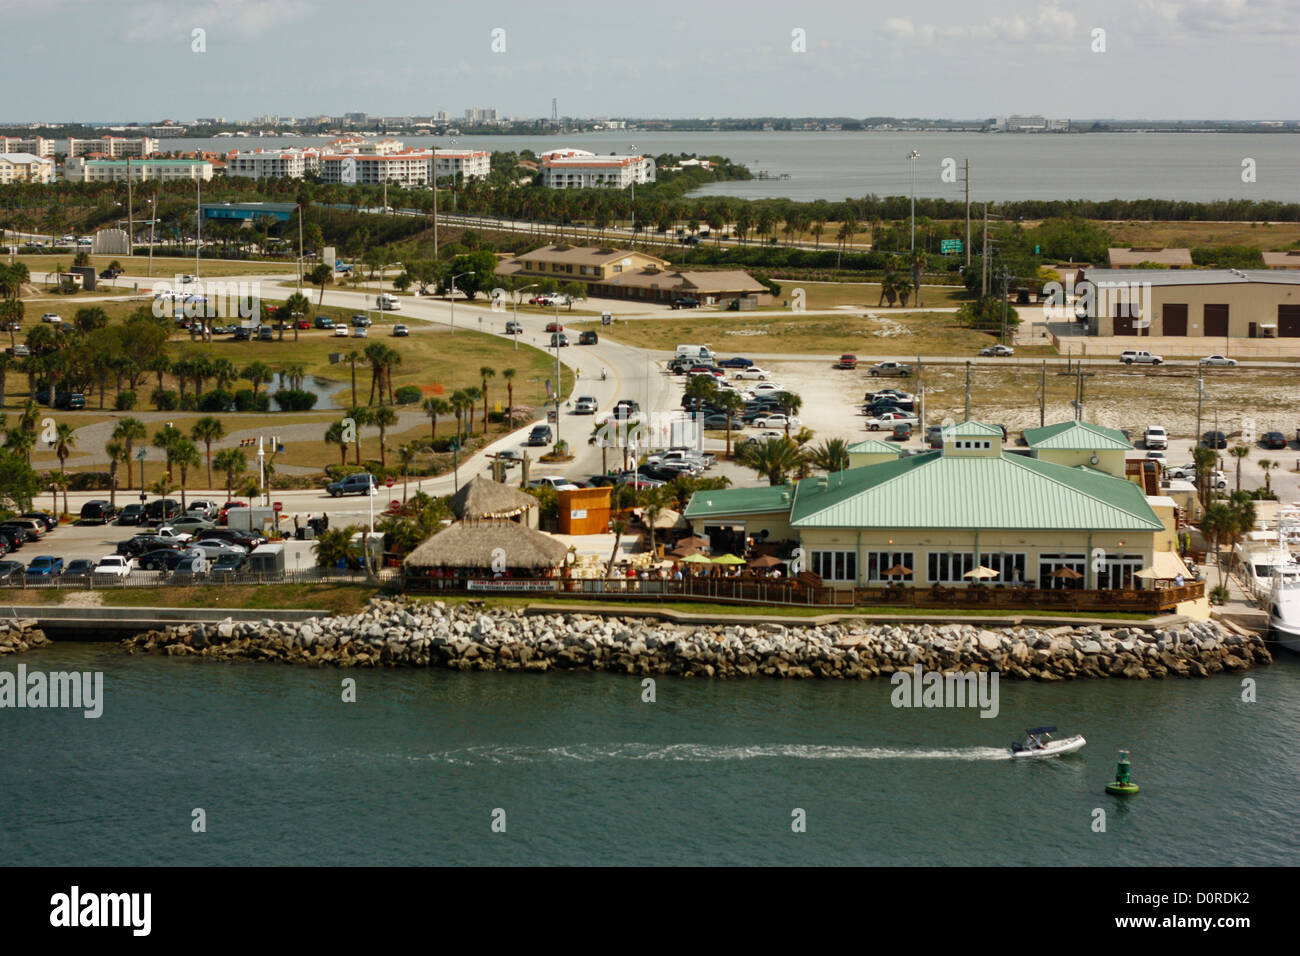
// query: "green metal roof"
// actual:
[[732, 501], [987, 492], [873, 446], [972, 430], [1077, 436]]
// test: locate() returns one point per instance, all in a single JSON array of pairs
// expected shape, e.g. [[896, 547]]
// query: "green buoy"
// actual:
[[1122, 784]]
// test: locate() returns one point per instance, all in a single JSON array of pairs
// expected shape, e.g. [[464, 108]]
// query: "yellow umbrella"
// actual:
[[696, 558], [728, 559]]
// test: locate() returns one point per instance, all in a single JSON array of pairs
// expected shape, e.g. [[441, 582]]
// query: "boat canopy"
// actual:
[[1035, 731]]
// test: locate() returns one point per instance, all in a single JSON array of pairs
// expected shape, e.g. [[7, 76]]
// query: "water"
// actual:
[[588, 774], [1196, 167]]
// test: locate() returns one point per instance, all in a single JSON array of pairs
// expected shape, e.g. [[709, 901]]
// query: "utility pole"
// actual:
[[1042, 397], [984, 275], [299, 249], [435, 205], [967, 390], [130, 212], [198, 222], [1078, 394], [1200, 396], [968, 214]]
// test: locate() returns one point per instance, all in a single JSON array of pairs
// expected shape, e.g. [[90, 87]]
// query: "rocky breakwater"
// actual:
[[420, 634], [18, 636]]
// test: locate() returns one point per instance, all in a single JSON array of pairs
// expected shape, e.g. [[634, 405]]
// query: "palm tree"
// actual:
[[129, 431], [294, 307], [116, 455], [732, 404], [184, 456], [1216, 525], [21, 441], [831, 455], [618, 526], [789, 403], [773, 459], [486, 372], [406, 456], [259, 374], [334, 435], [165, 440], [655, 502], [1239, 452], [65, 440], [1204, 459], [232, 463], [472, 394], [434, 406], [335, 544], [321, 276], [59, 482], [360, 416], [1268, 465], [374, 354], [509, 375], [385, 418], [207, 430]]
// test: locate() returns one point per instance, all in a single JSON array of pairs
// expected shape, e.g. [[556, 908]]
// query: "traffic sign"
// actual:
[[388, 482], [277, 506], [949, 246], [552, 416]]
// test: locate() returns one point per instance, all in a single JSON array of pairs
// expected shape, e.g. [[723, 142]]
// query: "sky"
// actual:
[[141, 60]]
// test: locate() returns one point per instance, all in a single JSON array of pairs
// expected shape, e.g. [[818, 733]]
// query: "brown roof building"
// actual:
[[1133, 257], [1282, 260]]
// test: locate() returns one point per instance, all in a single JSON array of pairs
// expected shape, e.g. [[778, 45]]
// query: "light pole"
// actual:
[[634, 193], [198, 223], [453, 298], [140, 458], [518, 293], [911, 162], [152, 219]]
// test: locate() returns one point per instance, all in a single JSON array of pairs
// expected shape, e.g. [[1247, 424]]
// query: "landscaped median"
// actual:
[[465, 637]]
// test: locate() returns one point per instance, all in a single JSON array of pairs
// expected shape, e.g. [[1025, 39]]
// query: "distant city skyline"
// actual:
[[135, 60]]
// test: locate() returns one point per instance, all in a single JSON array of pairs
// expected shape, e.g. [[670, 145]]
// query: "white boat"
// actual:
[[1262, 556], [1284, 612], [1039, 742]]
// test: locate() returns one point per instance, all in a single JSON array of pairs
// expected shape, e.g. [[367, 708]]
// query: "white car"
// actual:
[[52, 317], [762, 437], [186, 280], [340, 331], [777, 421], [115, 565], [554, 481], [769, 388], [1217, 478], [890, 419], [1155, 437], [213, 547], [752, 372], [998, 351], [1218, 360], [1157, 456]]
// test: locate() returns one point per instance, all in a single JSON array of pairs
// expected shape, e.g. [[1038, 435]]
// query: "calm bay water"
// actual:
[[588, 774], [1188, 166]]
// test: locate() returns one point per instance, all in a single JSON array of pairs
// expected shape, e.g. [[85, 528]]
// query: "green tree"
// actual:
[[129, 431], [321, 276], [831, 455], [336, 434], [116, 451], [773, 459], [433, 406], [385, 418], [184, 456], [207, 430], [485, 372], [1239, 452], [231, 463], [789, 403]]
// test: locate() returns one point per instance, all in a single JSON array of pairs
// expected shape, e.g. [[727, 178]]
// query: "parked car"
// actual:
[[769, 388], [401, 330], [360, 321], [12, 539], [203, 507], [78, 569], [1222, 360], [114, 565], [585, 405], [45, 566], [685, 302], [360, 332], [229, 564], [248, 540], [35, 530], [358, 484], [551, 481], [303, 323], [215, 547], [97, 512], [777, 421], [540, 435], [223, 515], [934, 436], [324, 322], [163, 559], [514, 328], [891, 368], [192, 523], [736, 362], [997, 351], [763, 436], [52, 318], [554, 327], [1273, 440], [719, 423], [243, 334], [11, 572], [1155, 437], [588, 338], [902, 432], [340, 331], [1214, 439], [753, 372], [891, 420], [162, 509], [47, 519], [1139, 357], [110, 273], [131, 514], [265, 334], [847, 361]]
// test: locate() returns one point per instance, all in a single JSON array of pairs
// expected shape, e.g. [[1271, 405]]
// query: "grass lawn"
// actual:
[[889, 333], [861, 295], [164, 268], [327, 598]]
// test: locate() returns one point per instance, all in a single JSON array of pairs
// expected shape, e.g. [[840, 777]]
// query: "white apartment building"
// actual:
[[115, 147], [410, 168], [272, 163], [78, 169], [366, 147], [36, 145], [582, 169], [25, 168], [465, 163]]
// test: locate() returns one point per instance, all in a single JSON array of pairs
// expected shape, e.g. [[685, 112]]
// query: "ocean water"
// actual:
[[582, 771], [1196, 167]]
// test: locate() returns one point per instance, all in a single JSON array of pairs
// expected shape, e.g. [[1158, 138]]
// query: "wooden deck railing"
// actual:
[[1152, 601]]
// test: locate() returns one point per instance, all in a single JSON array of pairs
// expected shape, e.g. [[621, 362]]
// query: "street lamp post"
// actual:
[[140, 458], [911, 162], [453, 298], [152, 217], [634, 193]]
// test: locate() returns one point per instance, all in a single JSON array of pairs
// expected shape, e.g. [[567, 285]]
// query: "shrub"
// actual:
[[89, 481], [294, 400], [244, 400], [125, 401], [1219, 594], [217, 400], [408, 395], [164, 399]]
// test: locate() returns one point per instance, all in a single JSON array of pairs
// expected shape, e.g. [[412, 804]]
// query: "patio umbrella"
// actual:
[[683, 552], [728, 559], [981, 572], [697, 558], [692, 542], [766, 561], [1068, 574], [1147, 573], [898, 569]]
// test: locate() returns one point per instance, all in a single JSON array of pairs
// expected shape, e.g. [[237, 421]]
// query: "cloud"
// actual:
[[1047, 22], [153, 21]]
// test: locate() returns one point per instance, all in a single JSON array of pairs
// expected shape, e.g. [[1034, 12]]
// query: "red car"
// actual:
[[304, 324], [221, 515], [554, 327]]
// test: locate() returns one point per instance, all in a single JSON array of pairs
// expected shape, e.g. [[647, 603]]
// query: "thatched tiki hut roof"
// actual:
[[482, 498], [475, 544]]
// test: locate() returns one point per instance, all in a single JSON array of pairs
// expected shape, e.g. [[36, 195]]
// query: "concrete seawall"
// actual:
[[114, 623]]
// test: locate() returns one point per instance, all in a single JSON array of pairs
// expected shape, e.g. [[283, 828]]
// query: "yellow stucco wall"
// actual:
[[1111, 462]]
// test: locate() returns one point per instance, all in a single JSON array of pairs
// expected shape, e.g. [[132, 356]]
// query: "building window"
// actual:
[[878, 562], [1009, 565], [1050, 566], [950, 566], [618, 268], [1118, 570], [835, 565]]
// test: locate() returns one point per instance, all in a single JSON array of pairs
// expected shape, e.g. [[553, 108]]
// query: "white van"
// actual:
[[387, 302], [700, 352]]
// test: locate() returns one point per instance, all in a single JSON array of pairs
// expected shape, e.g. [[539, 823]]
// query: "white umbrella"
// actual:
[[981, 572]]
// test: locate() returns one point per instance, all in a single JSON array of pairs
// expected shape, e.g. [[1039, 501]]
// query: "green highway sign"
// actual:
[[949, 246]]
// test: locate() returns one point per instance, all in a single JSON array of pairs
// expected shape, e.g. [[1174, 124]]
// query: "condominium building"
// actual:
[[25, 168], [78, 169], [272, 163], [36, 145], [581, 169], [465, 163], [366, 147], [114, 147], [410, 168]]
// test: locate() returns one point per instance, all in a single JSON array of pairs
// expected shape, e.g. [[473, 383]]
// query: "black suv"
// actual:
[[97, 512], [232, 536], [131, 514], [540, 435], [162, 509], [685, 302]]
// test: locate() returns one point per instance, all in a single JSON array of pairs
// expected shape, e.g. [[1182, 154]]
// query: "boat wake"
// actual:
[[705, 753]]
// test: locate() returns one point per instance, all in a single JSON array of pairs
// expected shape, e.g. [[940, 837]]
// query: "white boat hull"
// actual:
[[1053, 749]]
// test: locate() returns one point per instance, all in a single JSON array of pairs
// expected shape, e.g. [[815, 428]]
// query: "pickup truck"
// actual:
[[1139, 357], [848, 361], [891, 368], [890, 420]]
